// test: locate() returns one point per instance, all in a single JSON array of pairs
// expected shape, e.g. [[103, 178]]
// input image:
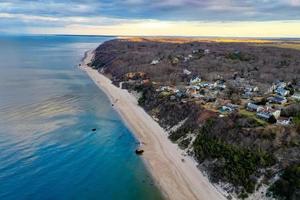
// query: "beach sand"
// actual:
[[177, 179]]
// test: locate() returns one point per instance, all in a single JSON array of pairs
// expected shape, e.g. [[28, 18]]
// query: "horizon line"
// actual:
[[153, 36]]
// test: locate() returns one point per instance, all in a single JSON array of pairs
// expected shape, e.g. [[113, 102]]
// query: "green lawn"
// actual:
[[252, 115]]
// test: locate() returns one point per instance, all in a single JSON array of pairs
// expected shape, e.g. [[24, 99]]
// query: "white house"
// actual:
[[254, 107], [187, 72], [205, 84], [274, 112], [296, 96], [282, 92], [280, 84], [195, 80], [227, 109], [154, 62], [196, 87], [284, 121]]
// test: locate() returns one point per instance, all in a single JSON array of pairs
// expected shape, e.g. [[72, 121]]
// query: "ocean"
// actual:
[[48, 108]]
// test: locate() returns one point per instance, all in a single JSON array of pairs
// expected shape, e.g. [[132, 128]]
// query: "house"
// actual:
[[272, 88], [188, 58], [282, 92], [206, 51], [154, 62], [284, 121], [274, 112], [296, 96], [229, 108], [213, 85], [180, 93], [255, 89], [251, 89], [264, 115], [135, 75], [248, 95], [221, 86], [196, 87], [267, 113], [187, 72], [191, 91], [226, 109], [164, 88], [195, 80], [280, 84], [232, 106], [197, 95], [204, 84], [253, 107], [277, 99]]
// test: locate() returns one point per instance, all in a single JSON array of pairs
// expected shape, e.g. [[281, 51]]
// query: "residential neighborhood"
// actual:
[[208, 93]]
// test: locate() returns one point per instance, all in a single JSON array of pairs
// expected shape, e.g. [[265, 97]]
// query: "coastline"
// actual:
[[175, 178]]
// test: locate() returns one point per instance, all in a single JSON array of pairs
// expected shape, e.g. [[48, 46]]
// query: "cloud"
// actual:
[[105, 13], [212, 10], [185, 28]]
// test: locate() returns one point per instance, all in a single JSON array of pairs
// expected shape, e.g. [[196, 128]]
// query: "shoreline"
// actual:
[[177, 180]]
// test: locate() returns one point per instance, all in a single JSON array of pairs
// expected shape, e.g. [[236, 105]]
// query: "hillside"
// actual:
[[258, 63], [231, 104]]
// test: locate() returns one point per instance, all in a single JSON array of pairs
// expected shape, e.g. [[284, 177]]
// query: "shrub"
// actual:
[[236, 165], [288, 185]]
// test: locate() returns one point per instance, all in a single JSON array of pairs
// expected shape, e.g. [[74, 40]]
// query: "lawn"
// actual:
[[252, 115]]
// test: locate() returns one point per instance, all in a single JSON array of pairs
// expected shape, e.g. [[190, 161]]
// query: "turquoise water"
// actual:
[[47, 110]]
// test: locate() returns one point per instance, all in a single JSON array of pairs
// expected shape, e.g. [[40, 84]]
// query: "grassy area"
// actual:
[[252, 115], [209, 106], [181, 40], [281, 45]]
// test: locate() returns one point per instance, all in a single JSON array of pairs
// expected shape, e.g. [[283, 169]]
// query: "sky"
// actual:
[[229, 18]]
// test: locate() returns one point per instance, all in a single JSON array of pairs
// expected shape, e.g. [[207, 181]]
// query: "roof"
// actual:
[[266, 115], [252, 105], [281, 90], [278, 99], [296, 95]]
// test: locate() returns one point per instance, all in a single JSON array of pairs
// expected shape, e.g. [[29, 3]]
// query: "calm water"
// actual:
[[47, 110]]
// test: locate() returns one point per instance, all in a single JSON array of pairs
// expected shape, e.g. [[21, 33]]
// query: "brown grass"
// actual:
[[288, 45], [181, 40]]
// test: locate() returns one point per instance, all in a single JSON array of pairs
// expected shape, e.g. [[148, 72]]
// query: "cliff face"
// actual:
[[234, 148], [260, 64]]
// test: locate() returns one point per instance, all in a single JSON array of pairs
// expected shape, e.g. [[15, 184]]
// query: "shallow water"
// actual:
[[47, 110]]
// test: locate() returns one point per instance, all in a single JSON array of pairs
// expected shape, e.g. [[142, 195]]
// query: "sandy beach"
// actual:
[[177, 179]]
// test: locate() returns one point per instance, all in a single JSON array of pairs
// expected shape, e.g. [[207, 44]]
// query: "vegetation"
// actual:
[[118, 57], [237, 165], [296, 121], [184, 143], [293, 111], [239, 56], [252, 115], [291, 45], [288, 185], [236, 146]]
